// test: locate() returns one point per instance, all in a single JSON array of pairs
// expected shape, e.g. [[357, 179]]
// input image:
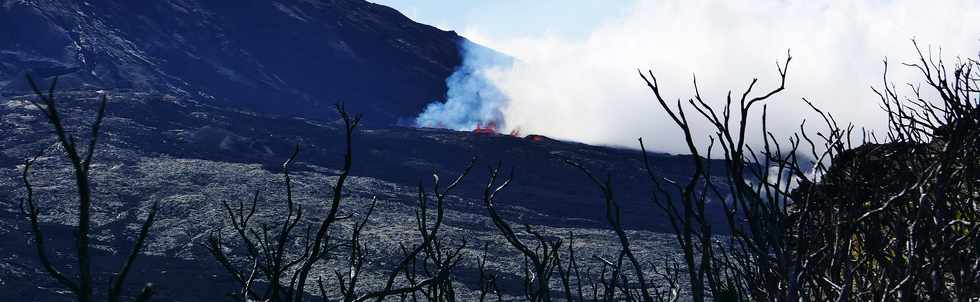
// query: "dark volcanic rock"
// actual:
[[190, 156], [161, 125], [295, 57], [208, 97]]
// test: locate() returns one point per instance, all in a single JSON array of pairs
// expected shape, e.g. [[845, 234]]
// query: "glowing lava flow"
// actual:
[[488, 128], [491, 128]]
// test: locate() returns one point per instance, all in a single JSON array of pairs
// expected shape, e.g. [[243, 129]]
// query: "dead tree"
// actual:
[[287, 266], [540, 262], [818, 216], [270, 255], [754, 207], [81, 160], [614, 218], [911, 197], [692, 231], [488, 281], [569, 270], [438, 260]]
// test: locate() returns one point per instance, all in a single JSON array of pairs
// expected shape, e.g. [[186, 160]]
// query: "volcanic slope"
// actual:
[[288, 57], [191, 156]]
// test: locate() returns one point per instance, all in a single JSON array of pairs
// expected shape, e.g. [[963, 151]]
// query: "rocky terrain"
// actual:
[[207, 99], [290, 57], [190, 156]]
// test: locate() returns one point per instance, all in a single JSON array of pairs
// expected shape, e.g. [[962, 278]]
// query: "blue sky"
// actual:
[[575, 74], [504, 19]]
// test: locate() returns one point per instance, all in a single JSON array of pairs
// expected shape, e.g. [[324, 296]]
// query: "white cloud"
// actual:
[[588, 90]]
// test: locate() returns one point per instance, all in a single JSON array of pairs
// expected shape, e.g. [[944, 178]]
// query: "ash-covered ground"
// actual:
[[190, 157]]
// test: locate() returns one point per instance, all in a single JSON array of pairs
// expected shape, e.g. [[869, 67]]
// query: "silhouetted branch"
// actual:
[[542, 261], [81, 163], [614, 218]]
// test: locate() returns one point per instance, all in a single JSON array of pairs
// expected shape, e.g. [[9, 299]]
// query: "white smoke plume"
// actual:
[[588, 89], [472, 100]]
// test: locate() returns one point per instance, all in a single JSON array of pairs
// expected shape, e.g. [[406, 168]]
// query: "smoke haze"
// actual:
[[588, 90], [472, 99]]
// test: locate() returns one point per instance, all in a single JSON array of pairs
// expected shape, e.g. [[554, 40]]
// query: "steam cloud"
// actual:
[[472, 100], [588, 89]]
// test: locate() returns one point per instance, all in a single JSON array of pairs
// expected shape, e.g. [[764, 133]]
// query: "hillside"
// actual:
[[291, 57], [191, 156], [207, 99]]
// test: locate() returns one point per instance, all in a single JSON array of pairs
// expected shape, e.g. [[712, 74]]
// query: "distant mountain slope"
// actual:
[[178, 71], [190, 156], [293, 57]]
